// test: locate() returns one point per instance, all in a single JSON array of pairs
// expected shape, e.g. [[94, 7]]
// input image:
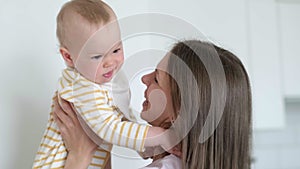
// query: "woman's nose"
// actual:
[[146, 79]]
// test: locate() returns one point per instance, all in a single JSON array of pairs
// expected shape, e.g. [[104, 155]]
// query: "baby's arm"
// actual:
[[106, 124], [110, 126], [154, 136], [158, 136]]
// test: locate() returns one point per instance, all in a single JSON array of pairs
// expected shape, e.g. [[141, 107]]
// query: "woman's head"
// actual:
[[190, 95]]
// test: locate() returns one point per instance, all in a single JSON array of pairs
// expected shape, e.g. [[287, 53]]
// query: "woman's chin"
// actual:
[[144, 114]]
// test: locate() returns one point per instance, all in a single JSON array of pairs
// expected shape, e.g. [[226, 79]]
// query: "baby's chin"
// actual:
[[101, 80]]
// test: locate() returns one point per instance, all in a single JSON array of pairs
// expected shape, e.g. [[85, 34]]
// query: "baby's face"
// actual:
[[101, 54]]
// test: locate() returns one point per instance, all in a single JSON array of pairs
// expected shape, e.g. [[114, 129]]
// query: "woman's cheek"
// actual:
[[156, 106]]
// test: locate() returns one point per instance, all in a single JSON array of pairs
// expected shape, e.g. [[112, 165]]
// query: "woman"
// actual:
[[187, 85]]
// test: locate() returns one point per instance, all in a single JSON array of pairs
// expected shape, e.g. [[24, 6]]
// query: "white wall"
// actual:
[[289, 17], [30, 64], [279, 149]]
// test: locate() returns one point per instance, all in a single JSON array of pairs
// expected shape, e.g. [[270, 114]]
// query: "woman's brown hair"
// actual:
[[229, 145]]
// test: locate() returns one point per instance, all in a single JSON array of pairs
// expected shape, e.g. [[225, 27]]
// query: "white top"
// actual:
[[168, 162]]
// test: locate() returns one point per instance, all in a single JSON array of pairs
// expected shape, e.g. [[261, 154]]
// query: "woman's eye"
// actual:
[[97, 57], [117, 50]]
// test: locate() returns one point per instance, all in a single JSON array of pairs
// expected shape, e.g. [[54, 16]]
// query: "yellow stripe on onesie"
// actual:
[[99, 118]]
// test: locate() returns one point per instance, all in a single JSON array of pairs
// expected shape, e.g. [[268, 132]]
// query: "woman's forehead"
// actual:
[[163, 64]]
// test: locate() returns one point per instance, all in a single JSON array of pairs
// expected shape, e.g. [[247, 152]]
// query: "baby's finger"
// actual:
[[176, 151]]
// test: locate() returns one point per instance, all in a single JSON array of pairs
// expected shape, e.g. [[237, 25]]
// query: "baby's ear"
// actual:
[[66, 56], [176, 150]]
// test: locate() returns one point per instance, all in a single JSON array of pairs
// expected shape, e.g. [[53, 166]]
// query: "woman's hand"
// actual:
[[80, 147]]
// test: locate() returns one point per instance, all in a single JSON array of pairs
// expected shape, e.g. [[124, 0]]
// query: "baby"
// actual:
[[90, 44]]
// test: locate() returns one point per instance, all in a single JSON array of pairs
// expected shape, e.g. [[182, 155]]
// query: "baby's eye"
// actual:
[[96, 57], [117, 50], [155, 79]]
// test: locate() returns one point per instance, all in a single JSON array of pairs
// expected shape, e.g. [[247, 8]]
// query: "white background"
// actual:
[[263, 33]]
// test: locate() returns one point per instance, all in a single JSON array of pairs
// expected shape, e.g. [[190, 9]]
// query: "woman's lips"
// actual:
[[108, 74], [145, 105]]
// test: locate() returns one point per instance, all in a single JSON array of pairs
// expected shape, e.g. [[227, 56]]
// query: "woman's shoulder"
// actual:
[[168, 162]]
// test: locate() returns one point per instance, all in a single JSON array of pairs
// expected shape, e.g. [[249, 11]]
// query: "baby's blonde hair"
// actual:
[[93, 11]]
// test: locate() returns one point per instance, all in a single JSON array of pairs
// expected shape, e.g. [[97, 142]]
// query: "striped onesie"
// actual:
[[99, 117]]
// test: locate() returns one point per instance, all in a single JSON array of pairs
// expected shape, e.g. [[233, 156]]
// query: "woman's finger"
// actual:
[[61, 115], [58, 122], [67, 108], [60, 125], [62, 129], [64, 104]]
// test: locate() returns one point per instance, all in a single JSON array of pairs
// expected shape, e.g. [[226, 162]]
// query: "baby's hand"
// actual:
[[150, 152], [169, 139], [176, 150]]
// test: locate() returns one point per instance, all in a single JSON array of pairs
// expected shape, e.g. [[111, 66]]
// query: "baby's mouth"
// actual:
[[108, 74]]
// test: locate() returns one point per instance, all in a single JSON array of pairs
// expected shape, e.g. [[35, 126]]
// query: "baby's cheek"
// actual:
[[121, 59], [88, 70]]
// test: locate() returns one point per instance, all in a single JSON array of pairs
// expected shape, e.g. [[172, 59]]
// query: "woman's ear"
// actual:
[[66, 56]]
